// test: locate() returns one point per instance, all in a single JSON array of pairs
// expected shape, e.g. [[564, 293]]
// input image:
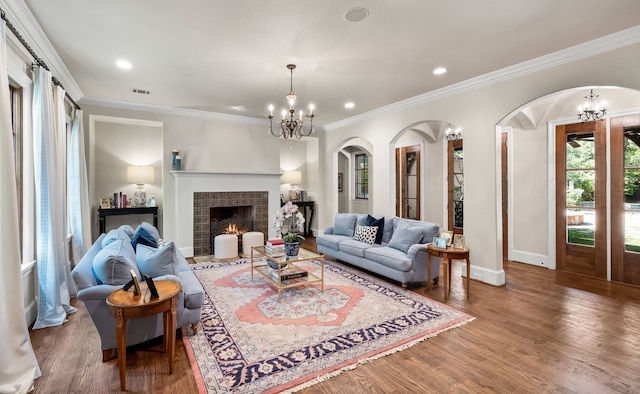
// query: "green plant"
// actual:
[[292, 238]]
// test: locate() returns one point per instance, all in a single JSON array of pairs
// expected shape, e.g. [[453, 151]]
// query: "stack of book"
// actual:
[[275, 247], [290, 275]]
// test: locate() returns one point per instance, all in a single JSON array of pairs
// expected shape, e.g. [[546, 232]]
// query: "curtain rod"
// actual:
[[38, 60]]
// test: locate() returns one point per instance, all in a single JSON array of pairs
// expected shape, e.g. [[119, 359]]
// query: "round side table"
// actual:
[[447, 254], [125, 305]]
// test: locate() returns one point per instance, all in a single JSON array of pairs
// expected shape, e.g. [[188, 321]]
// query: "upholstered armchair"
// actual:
[[93, 293]]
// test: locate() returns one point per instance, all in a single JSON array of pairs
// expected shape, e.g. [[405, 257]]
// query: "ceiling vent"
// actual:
[[141, 91]]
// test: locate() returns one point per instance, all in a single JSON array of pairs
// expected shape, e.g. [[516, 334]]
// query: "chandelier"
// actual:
[[591, 110], [290, 127], [453, 133]]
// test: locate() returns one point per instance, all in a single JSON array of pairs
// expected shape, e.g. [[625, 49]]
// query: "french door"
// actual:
[[408, 182], [625, 199], [455, 169], [581, 177]]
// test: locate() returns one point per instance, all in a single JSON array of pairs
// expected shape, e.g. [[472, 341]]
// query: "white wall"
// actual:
[[478, 109], [208, 145], [117, 144]]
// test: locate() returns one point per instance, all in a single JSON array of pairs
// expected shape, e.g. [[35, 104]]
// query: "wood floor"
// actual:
[[544, 331]]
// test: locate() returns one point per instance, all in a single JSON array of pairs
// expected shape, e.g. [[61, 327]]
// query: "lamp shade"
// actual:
[[292, 177], [140, 174]]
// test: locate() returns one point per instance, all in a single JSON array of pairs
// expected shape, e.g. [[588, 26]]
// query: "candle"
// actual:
[[311, 108], [270, 109]]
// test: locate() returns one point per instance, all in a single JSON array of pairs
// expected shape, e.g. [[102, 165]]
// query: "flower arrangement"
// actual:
[[289, 222]]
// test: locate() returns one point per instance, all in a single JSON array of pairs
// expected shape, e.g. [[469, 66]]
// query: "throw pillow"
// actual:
[[379, 223], [344, 224], [366, 234], [142, 236], [404, 236], [111, 265], [156, 262], [150, 229], [128, 230], [114, 235]]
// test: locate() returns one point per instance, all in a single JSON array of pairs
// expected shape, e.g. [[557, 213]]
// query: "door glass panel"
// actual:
[[632, 190], [580, 189], [458, 186]]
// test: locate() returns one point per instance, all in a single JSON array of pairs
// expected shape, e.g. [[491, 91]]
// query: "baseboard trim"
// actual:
[[539, 260], [485, 275], [187, 251]]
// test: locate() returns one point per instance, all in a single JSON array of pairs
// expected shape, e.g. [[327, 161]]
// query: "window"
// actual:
[[362, 177], [15, 92]]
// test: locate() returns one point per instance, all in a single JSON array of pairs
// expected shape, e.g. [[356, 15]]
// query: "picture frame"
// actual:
[[448, 235], [340, 182], [458, 241], [134, 282], [105, 203], [151, 201], [440, 242], [294, 195]]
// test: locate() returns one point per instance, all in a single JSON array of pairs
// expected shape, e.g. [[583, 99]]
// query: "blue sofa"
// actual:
[[105, 268], [400, 253]]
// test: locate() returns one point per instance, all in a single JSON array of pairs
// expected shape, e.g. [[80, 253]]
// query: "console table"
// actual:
[[303, 205], [103, 213]]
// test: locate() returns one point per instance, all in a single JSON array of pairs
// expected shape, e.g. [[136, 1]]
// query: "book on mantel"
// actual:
[[289, 273]]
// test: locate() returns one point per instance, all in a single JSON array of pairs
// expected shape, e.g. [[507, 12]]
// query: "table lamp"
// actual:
[[293, 178], [140, 175]]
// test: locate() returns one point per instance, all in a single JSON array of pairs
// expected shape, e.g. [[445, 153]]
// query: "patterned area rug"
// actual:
[[250, 343]]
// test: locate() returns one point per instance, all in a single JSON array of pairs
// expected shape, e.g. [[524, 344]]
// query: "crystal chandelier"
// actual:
[[453, 133], [591, 110], [290, 127]]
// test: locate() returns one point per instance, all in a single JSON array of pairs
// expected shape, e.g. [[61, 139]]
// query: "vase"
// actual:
[[291, 249]]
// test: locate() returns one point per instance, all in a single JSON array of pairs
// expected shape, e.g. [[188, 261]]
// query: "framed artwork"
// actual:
[[151, 201], [294, 195], [448, 235], [440, 242], [340, 184], [458, 241], [105, 203]]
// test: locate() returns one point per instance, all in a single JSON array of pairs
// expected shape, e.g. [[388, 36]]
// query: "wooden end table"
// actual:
[[125, 305], [447, 254]]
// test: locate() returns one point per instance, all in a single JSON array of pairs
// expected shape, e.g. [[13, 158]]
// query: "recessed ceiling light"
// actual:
[[440, 70], [349, 105], [356, 14], [123, 64]]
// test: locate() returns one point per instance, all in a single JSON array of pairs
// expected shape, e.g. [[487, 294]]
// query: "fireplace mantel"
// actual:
[[189, 182]]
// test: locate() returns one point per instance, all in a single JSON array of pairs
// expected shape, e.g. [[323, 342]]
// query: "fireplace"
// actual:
[[231, 220], [222, 208]]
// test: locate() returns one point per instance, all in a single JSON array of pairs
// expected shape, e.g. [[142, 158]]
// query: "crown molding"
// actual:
[[26, 24], [164, 109], [590, 48]]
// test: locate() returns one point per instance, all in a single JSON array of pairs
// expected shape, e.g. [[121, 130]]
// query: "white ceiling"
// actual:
[[215, 55]]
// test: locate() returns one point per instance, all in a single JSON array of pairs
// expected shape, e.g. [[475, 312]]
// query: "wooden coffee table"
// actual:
[[125, 305], [282, 261]]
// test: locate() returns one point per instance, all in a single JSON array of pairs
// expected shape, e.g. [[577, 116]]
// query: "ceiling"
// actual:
[[230, 57]]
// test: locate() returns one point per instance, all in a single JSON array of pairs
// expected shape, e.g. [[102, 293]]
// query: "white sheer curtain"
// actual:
[[49, 146], [18, 364], [78, 190]]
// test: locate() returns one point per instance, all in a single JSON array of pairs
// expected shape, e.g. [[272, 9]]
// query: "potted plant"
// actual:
[[289, 222]]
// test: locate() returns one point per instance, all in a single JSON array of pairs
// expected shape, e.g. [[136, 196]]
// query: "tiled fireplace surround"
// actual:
[[203, 201], [189, 183]]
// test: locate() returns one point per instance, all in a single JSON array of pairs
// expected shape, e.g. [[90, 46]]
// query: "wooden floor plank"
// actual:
[[544, 331]]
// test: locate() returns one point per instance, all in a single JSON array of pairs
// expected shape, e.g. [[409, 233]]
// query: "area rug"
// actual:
[[248, 342]]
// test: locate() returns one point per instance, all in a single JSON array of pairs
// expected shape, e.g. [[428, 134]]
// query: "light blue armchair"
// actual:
[[93, 294]]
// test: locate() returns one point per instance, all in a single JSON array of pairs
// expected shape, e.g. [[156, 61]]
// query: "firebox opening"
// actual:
[[231, 220]]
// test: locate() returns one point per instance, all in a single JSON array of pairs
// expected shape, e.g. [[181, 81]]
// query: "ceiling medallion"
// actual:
[[290, 127]]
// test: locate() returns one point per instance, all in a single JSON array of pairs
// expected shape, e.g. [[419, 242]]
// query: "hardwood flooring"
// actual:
[[544, 331]]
